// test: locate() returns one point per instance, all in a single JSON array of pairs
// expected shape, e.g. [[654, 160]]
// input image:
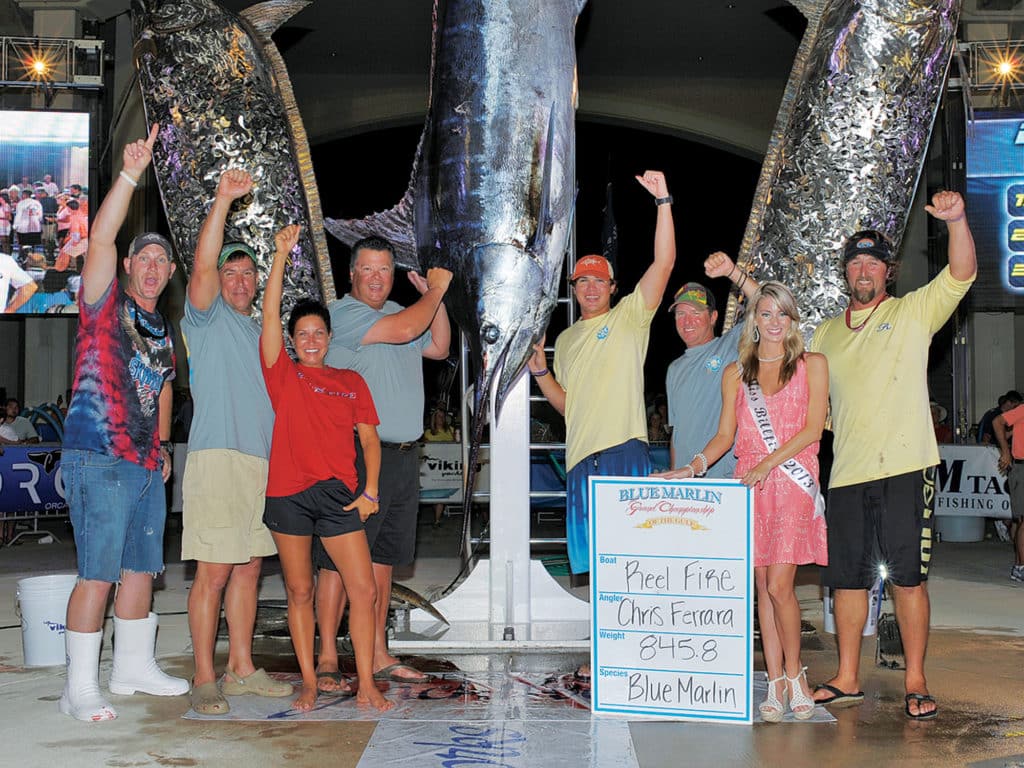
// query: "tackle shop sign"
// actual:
[[672, 598]]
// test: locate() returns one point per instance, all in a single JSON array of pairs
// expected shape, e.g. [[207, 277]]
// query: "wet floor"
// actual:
[[974, 668]]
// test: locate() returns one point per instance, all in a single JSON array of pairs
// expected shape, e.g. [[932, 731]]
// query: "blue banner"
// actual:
[[30, 480]]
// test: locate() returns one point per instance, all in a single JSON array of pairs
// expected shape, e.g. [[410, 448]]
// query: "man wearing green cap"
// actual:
[[228, 447], [693, 382]]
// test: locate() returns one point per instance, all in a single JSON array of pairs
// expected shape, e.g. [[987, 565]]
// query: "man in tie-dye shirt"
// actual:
[[116, 456]]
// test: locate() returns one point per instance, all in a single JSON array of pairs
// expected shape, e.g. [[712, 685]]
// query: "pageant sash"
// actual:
[[796, 471]]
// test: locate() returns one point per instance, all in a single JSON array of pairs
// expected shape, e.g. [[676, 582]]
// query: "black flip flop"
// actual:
[[339, 693], [920, 698], [839, 697]]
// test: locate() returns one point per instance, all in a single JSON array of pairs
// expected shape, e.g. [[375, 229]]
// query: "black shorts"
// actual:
[[391, 532], [316, 510], [887, 521]]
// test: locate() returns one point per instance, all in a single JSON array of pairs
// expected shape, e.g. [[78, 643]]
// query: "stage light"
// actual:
[[1006, 68], [51, 62]]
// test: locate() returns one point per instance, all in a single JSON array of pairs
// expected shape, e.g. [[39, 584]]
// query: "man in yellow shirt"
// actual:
[[600, 365], [883, 477]]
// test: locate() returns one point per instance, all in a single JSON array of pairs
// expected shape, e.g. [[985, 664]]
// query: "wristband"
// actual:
[[539, 374], [127, 177], [667, 200], [368, 497], [168, 446]]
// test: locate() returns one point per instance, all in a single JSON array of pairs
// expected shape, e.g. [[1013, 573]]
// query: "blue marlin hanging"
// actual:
[[493, 188]]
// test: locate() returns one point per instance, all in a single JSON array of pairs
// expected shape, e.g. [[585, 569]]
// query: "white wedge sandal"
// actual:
[[771, 708], [800, 703]]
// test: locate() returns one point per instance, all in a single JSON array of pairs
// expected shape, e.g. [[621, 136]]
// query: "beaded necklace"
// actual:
[[859, 328]]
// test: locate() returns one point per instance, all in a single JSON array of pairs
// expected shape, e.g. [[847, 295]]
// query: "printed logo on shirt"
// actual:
[[323, 390], [603, 333], [883, 327], [714, 363]]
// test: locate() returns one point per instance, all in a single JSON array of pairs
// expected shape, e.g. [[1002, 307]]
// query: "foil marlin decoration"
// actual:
[[217, 85], [849, 142], [492, 190]]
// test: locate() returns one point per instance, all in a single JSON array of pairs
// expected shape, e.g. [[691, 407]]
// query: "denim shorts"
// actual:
[[117, 510]]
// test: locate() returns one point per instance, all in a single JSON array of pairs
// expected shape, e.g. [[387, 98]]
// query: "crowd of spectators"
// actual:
[[44, 235]]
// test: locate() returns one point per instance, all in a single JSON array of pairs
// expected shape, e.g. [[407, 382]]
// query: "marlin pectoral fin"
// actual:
[[544, 218], [266, 17]]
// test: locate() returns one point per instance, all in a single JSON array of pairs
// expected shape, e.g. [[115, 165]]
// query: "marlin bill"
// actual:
[[216, 84], [849, 142], [492, 189]]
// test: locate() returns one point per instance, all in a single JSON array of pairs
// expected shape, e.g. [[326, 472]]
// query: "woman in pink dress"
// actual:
[[774, 401]]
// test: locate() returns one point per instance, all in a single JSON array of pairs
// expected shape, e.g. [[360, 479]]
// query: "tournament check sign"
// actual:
[[671, 598]]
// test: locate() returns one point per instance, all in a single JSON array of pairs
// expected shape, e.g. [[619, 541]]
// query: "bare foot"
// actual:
[[306, 700], [369, 695]]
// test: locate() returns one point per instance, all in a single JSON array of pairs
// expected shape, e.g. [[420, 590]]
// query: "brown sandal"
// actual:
[[208, 700]]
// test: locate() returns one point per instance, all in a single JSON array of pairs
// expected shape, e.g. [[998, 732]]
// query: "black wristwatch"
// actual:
[[168, 445]]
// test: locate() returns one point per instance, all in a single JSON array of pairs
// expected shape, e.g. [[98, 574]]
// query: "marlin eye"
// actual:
[[490, 333]]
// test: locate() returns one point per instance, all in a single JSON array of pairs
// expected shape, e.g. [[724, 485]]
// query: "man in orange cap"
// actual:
[[600, 365]]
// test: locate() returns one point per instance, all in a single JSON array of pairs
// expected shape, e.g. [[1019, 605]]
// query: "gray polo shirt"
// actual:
[[693, 385], [232, 408], [394, 372]]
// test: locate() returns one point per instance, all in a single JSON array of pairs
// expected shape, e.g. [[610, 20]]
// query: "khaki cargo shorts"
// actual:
[[223, 496]]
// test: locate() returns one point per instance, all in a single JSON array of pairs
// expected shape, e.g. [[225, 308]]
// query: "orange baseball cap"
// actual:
[[593, 266]]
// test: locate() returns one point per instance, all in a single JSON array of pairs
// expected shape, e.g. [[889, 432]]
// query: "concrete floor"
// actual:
[[974, 668]]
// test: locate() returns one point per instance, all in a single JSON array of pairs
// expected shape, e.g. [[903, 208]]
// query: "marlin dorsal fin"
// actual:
[[267, 16]]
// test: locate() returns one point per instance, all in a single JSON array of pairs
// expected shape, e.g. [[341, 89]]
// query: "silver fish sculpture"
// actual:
[[849, 142], [218, 87], [492, 189]]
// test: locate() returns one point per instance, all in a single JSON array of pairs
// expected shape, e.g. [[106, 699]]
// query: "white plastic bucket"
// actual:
[[874, 609], [43, 607]]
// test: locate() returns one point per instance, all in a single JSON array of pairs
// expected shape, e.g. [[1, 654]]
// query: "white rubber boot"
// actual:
[[135, 668], [81, 698]]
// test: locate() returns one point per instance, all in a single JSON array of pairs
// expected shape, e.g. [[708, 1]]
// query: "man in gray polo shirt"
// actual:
[[385, 344], [228, 448], [693, 382]]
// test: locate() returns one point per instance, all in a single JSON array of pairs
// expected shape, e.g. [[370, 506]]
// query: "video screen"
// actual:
[[44, 210], [995, 208]]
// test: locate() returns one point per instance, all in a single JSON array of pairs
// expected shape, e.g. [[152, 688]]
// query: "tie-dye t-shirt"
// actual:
[[125, 354]]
